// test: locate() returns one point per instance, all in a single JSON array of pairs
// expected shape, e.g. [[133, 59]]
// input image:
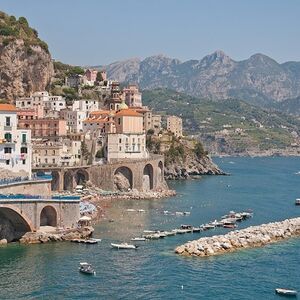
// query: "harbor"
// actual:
[[136, 273]]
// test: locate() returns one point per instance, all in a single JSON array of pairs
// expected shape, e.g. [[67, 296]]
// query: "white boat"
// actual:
[[297, 202], [179, 213], [150, 231], [130, 210], [124, 246], [197, 229], [153, 236], [186, 213], [182, 231], [86, 268], [141, 210], [286, 292], [138, 239], [170, 233]]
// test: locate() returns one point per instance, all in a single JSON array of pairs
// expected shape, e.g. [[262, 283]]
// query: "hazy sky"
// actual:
[[93, 32]]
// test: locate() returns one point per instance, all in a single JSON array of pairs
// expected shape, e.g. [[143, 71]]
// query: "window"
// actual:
[[46, 160], [7, 150], [23, 149], [8, 137], [120, 141], [7, 161], [53, 160], [7, 121], [24, 137], [120, 148], [119, 121], [24, 161]]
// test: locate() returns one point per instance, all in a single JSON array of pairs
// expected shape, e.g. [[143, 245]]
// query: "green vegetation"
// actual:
[[233, 122], [100, 153], [12, 29], [62, 70]]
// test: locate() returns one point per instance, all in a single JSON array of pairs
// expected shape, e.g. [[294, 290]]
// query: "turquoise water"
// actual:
[[269, 186]]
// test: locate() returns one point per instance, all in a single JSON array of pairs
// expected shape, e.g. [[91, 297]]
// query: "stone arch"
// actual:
[[55, 181], [148, 178], [69, 183], [81, 176], [123, 179], [48, 216], [13, 224]]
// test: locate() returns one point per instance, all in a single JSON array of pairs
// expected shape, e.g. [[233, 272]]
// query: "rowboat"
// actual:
[[286, 292], [297, 202], [124, 246]]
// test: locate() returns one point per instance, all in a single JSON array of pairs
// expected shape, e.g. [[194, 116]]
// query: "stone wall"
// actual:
[[42, 188]]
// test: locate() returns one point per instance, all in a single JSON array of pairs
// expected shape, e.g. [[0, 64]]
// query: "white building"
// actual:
[[54, 103], [74, 120], [85, 105], [15, 144]]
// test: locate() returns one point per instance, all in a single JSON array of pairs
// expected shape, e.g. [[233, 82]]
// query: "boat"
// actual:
[[197, 229], [186, 226], [297, 202], [123, 246], [162, 234], [141, 210], [86, 268], [153, 236], [182, 231], [229, 226], [179, 213], [170, 233], [150, 231], [208, 226], [138, 239], [186, 213], [286, 292], [86, 241], [130, 210]]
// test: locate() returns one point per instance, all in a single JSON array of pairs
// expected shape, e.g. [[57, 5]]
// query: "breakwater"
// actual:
[[254, 236]]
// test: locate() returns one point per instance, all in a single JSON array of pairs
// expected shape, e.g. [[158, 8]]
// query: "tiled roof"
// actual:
[[128, 112], [7, 107]]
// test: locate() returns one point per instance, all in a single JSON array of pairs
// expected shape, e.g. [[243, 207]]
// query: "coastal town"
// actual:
[[126, 174]]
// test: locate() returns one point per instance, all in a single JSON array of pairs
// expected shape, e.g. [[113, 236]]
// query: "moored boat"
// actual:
[[297, 202], [230, 226], [124, 246], [286, 292], [138, 239]]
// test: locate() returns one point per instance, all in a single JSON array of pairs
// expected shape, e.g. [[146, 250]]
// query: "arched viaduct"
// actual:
[[143, 175]]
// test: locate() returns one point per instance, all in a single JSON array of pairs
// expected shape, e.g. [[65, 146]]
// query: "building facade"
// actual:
[[15, 144], [174, 125]]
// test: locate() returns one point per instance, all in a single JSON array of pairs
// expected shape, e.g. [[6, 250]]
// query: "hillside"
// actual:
[[259, 80], [230, 126], [25, 62]]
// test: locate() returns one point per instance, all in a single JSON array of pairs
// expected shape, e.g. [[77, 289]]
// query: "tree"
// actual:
[[84, 150], [199, 150], [100, 153]]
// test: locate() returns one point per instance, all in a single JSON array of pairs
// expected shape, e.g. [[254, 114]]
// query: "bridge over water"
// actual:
[[20, 215]]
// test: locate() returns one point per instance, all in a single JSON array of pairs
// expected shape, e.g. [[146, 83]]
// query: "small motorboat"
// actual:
[[150, 231], [152, 236], [229, 226], [297, 201], [130, 210], [86, 268], [179, 213], [138, 239], [183, 231], [141, 210], [124, 246], [170, 233], [208, 226], [186, 213], [286, 292], [197, 229], [186, 226]]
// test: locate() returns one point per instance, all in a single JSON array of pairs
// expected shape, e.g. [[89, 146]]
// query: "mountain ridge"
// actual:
[[259, 79]]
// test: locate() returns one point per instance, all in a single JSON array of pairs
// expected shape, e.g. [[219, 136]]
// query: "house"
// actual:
[[15, 144]]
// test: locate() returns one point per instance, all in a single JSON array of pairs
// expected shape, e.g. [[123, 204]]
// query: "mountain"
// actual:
[[258, 80], [229, 126], [25, 62]]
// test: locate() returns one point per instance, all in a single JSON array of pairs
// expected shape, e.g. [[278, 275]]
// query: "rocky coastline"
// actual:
[[191, 168], [254, 236], [56, 236]]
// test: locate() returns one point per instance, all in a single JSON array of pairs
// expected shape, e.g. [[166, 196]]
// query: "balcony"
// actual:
[[7, 128]]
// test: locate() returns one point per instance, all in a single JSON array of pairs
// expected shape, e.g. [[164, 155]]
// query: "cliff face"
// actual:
[[190, 167], [23, 69]]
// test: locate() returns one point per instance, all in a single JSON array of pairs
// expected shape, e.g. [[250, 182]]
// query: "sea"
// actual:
[[268, 186]]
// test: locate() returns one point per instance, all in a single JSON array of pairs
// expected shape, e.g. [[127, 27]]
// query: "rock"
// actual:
[[3, 242], [253, 236]]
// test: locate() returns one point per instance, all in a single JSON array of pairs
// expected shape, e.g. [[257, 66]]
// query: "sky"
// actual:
[[96, 32]]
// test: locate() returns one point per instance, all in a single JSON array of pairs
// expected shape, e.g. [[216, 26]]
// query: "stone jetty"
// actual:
[[254, 236]]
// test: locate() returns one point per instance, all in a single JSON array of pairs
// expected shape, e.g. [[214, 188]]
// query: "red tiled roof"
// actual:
[[7, 107], [128, 112]]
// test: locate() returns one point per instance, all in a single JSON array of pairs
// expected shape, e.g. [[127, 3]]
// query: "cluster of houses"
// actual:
[[44, 131]]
